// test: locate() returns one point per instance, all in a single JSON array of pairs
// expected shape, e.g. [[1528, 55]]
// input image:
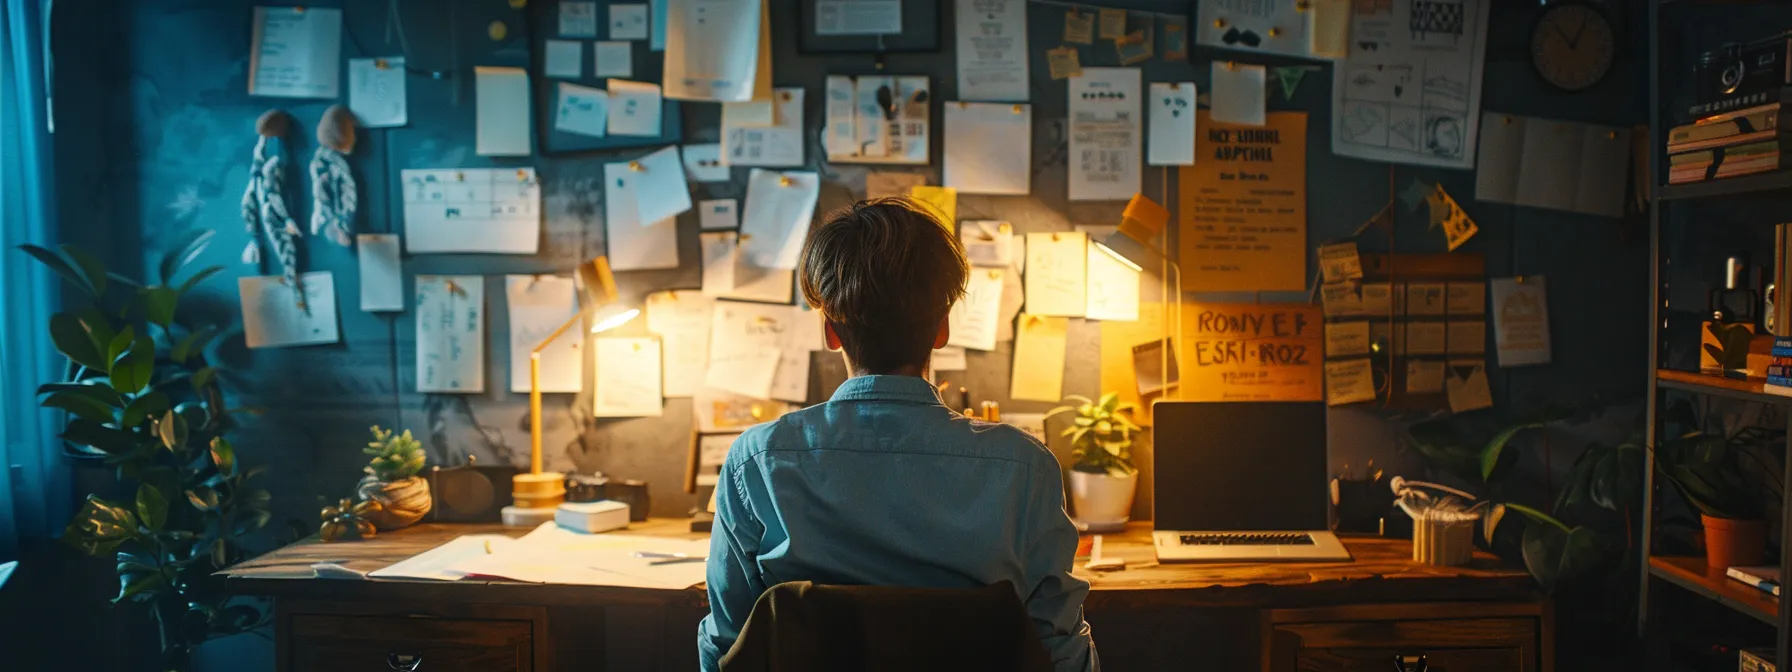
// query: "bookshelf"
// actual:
[[1691, 574], [1704, 383], [1741, 185]]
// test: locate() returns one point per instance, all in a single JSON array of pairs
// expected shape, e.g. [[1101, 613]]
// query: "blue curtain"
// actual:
[[35, 492]]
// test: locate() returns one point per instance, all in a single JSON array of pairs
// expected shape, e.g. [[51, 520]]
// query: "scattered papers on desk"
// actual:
[[482, 210], [727, 276], [1113, 286], [714, 50], [382, 273], [628, 22], [682, 321], [612, 59], [538, 305], [450, 333], [703, 163], [1057, 264], [659, 187], [578, 19], [1105, 134], [1410, 90], [628, 378], [501, 111], [748, 139], [877, 119], [438, 564], [1172, 121], [1039, 348], [974, 318], [634, 244], [1238, 93], [376, 91], [563, 59], [989, 148], [582, 110], [273, 317], [780, 206], [295, 52], [634, 108], [552, 554], [992, 50]]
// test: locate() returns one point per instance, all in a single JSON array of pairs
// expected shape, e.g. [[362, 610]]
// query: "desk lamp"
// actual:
[[1135, 241], [538, 492]]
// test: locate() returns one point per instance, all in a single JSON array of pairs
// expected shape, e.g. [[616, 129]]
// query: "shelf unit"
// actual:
[[1684, 573]]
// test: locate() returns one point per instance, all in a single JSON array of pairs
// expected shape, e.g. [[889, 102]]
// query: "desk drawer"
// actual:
[[1454, 637], [1437, 660], [336, 643]]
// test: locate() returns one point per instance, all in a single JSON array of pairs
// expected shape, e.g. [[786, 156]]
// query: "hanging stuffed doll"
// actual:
[[332, 185], [264, 204]]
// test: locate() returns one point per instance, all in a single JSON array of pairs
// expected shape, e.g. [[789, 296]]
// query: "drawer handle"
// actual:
[[1405, 663], [406, 662]]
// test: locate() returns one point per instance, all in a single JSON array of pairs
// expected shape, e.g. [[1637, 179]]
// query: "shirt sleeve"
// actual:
[[733, 580], [1055, 598]]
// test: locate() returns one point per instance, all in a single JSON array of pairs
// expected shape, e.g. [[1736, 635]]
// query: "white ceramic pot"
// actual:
[[1101, 500]]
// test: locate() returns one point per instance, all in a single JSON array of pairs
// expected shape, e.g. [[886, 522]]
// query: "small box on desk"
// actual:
[[592, 517]]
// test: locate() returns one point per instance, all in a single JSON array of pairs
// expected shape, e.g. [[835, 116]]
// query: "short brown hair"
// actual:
[[885, 273]]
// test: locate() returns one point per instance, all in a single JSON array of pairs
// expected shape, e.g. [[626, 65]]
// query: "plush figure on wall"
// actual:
[[333, 197], [264, 202]]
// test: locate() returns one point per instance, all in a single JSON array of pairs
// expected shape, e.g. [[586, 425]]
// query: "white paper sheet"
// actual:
[[727, 276], [1105, 131], [501, 108], [437, 564], [295, 52], [1113, 288], [1238, 93], [779, 145], [992, 50], [1248, 26], [582, 110], [633, 246], [975, 319], [628, 22], [808, 334], [578, 19], [612, 59], [1465, 383], [1328, 31], [552, 554], [718, 215], [703, 163], [272, 317], [712, 49], [1410, 91], [382, 273], [751, 344], [1039, 350], [1520, 320], [858, 17], [634, 108], [628, 378], [1172, 121], [682, 321], [450, 333], [779, 208], [539, 304], [1056, 275], [1559, 165], [986, 243], [949, 358], [749, 373], [564, 59], [484, 210], [791, 383], [660, 190], [377, 94], [989, 148]]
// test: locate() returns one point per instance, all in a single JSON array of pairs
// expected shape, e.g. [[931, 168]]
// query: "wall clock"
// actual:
[[1573, 46]]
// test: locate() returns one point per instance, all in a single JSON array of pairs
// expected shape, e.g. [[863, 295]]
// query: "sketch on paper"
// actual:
[[1412, 80]]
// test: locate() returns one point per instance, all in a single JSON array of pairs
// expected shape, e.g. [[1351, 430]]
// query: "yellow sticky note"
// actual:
[[943, 200], [1458, 228], [1039, 344], [1064, 62]]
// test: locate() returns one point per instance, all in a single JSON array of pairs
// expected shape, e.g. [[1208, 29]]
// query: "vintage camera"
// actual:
[[1741, 75]]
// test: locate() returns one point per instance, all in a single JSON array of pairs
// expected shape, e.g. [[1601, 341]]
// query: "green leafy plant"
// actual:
[[395, 457], [1711, 473], [140, 397], [1101, 434]]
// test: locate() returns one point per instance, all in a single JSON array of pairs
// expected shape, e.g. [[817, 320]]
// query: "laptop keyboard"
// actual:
[[1248, 539]]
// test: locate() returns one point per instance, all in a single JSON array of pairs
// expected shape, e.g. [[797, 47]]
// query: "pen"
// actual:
[[964, 394]]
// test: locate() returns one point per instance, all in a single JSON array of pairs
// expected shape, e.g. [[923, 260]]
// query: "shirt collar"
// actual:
[[887, 388]]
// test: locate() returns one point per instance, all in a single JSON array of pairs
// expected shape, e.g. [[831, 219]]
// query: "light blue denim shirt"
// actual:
[[884, 485]]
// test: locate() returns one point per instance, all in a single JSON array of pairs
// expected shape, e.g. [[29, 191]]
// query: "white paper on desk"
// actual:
[[612, 59], [987, 243], [552, 554], [949, 358], [484, 210], [450, 333], [660, 190], [858, 17], [1038, 369], [779, 145], [628, 22], [1278, 27], [295, 52], [501, 109], [633, 246], [582, 110], [703, 163], [712, 49], [974, 319], [779, 208], [1238, 93], [992, 50], [634, 108], [1410, 90], [628, 378], [539, 304], [722, 214], [578, 19], [1545, 163], [564, 59], [791, 383], [1172, 119], [377, 94], [382, 273], [1057, 266], [1113, 287], [1520, 320], [1105, 131], [437, 564], [272, 316], [989, 148], [682, 320], [726, 276]]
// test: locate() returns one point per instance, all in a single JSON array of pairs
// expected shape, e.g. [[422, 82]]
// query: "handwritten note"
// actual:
[[750, 138], [273, 317], [634, 108], [1039, 345], [989, 148], [539, 304], [376, 91], [1057, 265], [1424, 376], [1113, 288], [722, 214], [682, 321], [1344, 339], [1249, 352], [746, 343], [295, 52], [628, 378], [973, 320], [485, 210], [791, 382], [628, 22], [1349, 381], [1339, 262], [450, 333], [714, 50], [382, 274], [660, 190], [582, 110], [1243, 218]]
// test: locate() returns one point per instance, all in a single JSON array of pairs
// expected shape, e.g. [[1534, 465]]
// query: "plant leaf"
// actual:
[[139, 587], [145, 406], [203, 498], [89, 266], [159, 304], [1491, 522], [203, 377], [193, 343], [1490, 455], [1538, 516], [195, 241], [73, 342], [152, 507], [172, 430], [80, 405], [98, 392], [100, 526], [63, 266], [108, 440], [198, 278], [224, 457], [135, 369]]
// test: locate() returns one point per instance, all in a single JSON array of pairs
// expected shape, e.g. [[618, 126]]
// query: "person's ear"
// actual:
[[832, 338], [945, 335]]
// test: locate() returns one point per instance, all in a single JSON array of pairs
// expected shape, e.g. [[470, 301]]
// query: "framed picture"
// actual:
[[868, 26]]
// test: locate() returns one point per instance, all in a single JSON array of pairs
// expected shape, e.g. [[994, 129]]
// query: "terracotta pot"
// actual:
[[1101, 501], [402, 502], [1733, 543]]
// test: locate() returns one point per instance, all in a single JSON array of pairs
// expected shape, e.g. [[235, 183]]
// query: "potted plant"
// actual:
[[392, 480], [1102, 475], [1709, 473]]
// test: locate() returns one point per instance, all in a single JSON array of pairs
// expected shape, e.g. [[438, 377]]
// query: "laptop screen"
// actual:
[[1239, 466]]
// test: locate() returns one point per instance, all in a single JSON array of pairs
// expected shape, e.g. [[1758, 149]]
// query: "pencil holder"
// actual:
[[1444, 538]]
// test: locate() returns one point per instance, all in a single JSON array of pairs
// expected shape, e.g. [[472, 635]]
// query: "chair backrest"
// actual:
[[799, 626]]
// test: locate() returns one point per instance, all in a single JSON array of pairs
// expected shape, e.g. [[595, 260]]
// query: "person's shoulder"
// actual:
[[1005, 440], [764, 436]]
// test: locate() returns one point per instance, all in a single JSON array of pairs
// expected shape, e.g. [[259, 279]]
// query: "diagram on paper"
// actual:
[[1408, 91], [491, 210]]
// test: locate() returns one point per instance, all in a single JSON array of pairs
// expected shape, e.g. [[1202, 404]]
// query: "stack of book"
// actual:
[[1779, 369], [1729, 144]]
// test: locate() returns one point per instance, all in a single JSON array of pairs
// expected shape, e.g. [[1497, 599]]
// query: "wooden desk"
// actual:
[[1306, 616]]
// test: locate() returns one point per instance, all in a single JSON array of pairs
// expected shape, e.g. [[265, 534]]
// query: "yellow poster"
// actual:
[[1244, 206], [1252, 352]]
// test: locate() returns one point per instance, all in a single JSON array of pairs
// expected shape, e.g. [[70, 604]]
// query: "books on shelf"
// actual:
[[1779, 369], [1735, 143], [1765, 577], [1742, 126]]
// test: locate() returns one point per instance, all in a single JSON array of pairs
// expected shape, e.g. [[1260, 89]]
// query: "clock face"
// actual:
[[1573, 46]]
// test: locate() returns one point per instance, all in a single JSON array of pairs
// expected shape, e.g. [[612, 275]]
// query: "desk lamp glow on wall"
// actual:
[[537, 493], [1135, 241]]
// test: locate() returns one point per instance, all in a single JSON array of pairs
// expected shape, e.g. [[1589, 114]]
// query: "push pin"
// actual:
[[1275, 32], [381, 64], [1219, 23], [635, 166], [783, 180], [1017, 109]]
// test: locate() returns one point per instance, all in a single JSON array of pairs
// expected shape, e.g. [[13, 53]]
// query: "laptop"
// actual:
[[1241, 482]]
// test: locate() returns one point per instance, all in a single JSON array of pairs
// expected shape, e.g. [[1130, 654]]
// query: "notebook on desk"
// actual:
[[1238, 482]]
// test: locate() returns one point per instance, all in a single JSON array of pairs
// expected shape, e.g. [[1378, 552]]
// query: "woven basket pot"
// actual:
[[402, 502]]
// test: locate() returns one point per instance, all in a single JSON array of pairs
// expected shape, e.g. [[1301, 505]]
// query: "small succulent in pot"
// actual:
[[392, 480]]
